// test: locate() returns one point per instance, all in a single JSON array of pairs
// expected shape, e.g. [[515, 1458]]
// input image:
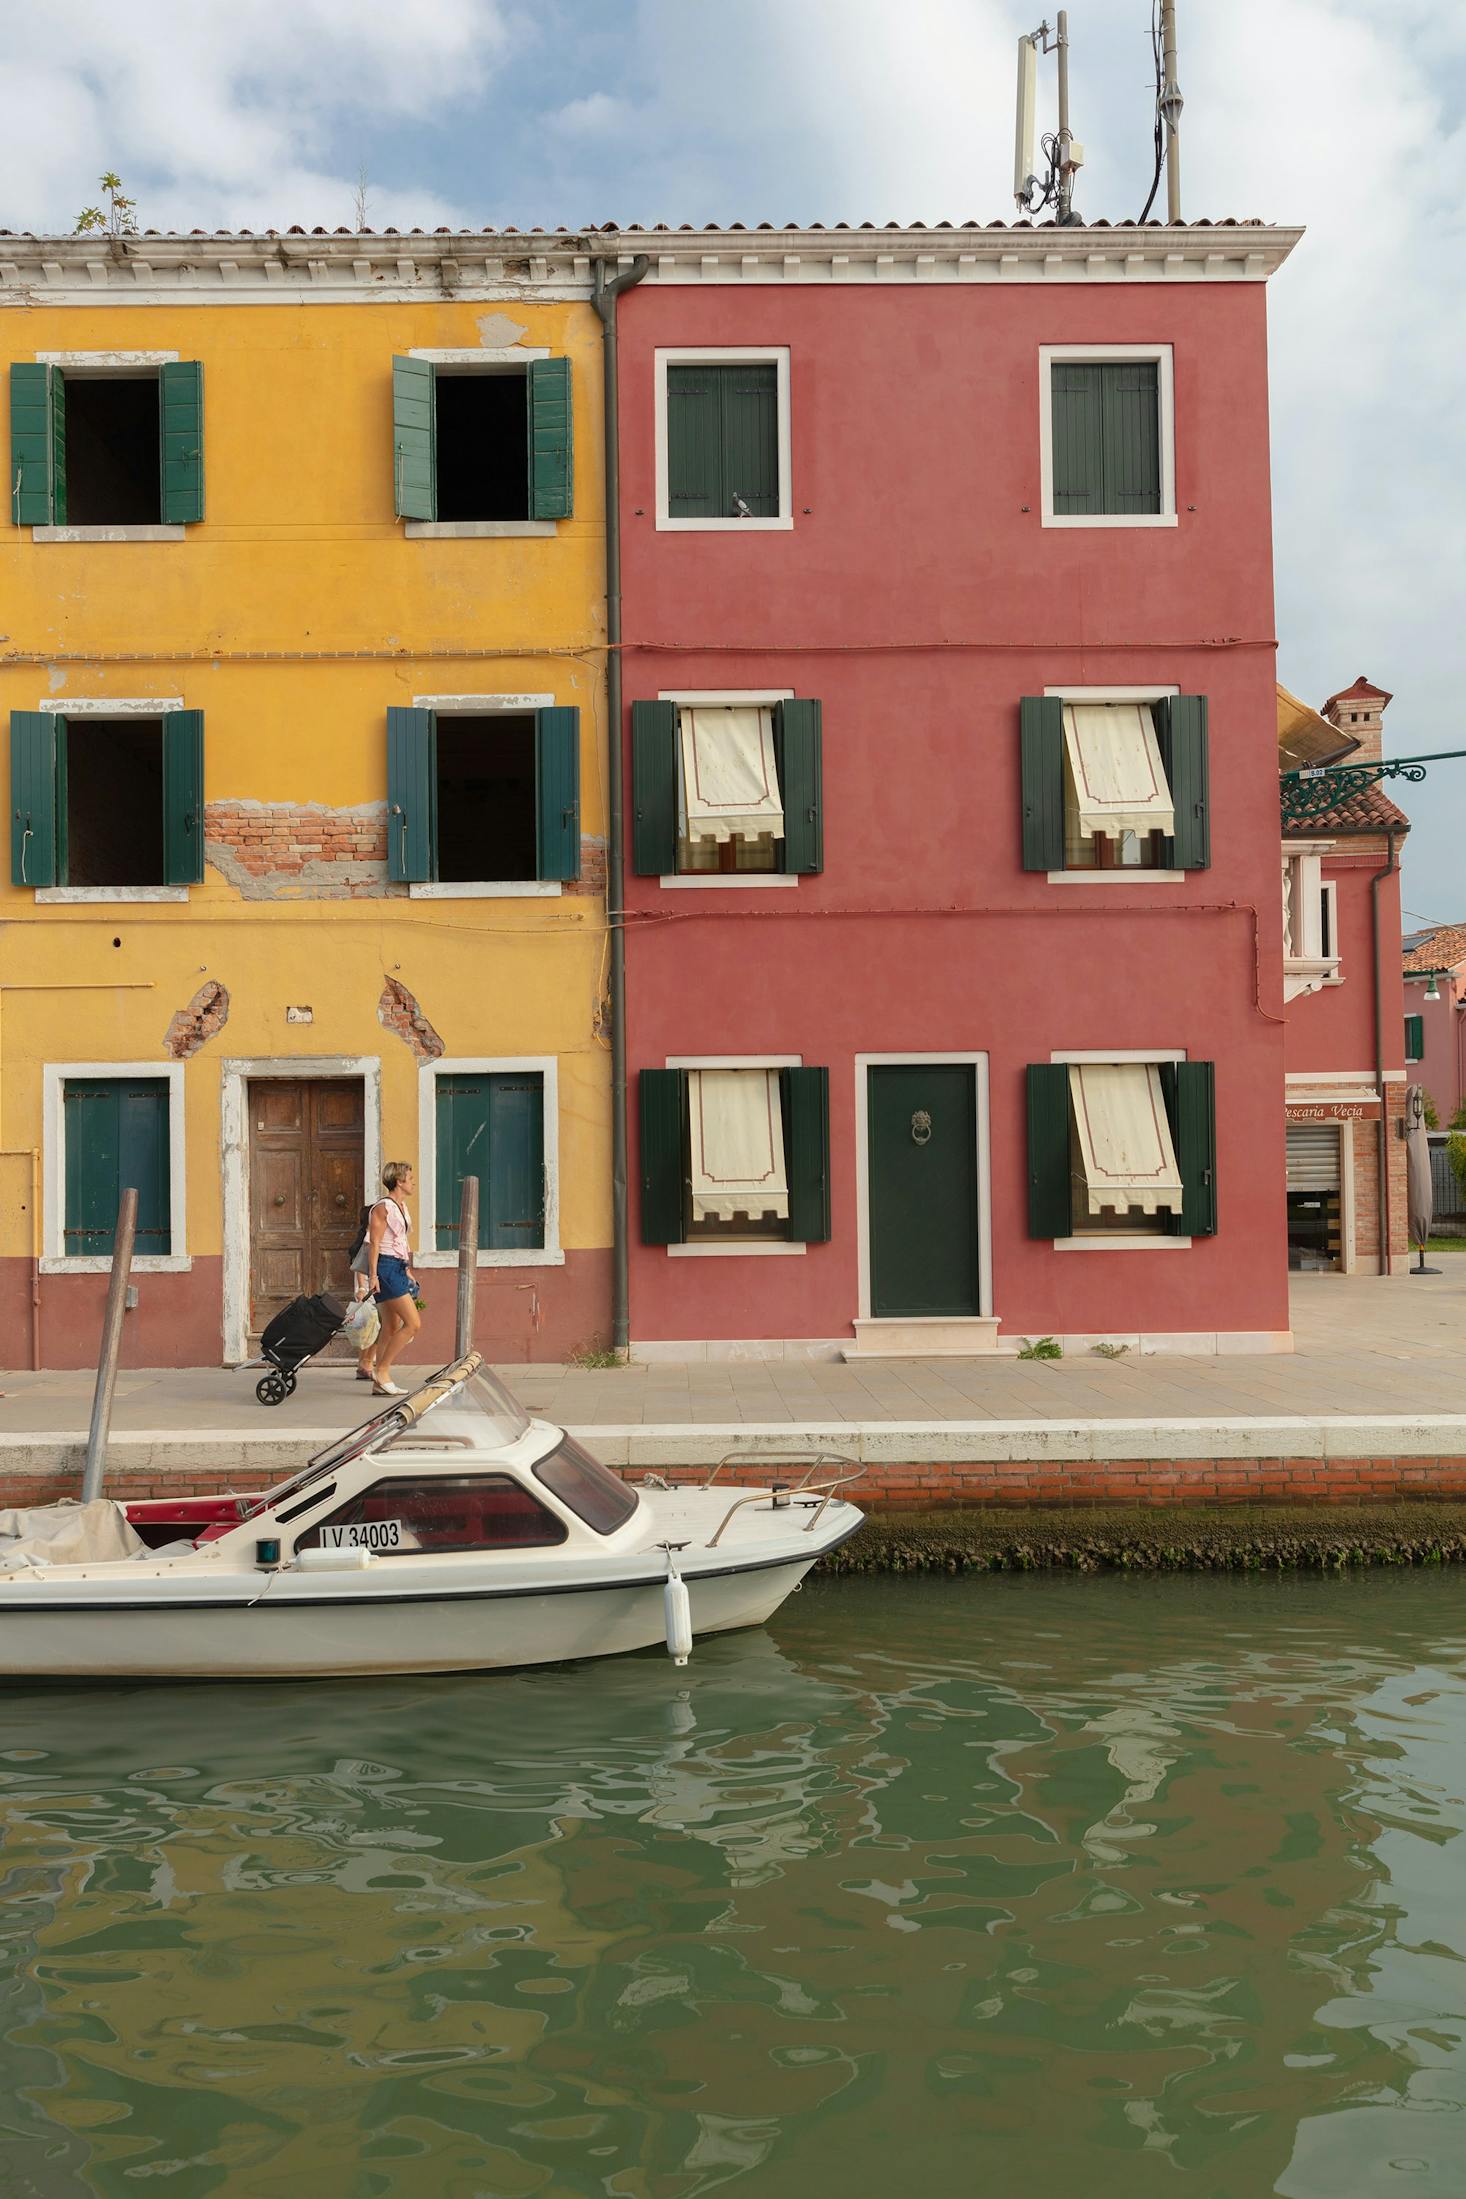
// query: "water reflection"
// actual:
[[1033, 1886]]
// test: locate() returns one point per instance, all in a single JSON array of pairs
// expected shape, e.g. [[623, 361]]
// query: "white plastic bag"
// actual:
[[363, 1323]]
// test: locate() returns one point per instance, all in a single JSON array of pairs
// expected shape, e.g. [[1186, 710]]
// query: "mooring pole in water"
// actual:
[[467, 1264], [122, 1243]]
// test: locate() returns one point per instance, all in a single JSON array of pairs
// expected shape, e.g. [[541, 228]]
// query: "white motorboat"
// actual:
[[448, 1533]]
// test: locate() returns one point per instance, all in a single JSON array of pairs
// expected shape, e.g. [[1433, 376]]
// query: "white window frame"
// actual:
[[1131, 874], [101, 366], [481, 359], [500, 889], [546, 1066], [711, 698], [1119, 1240], [777, 355], [1308, 968], [104, 706], [736, 1248], [1102, 355], [55, 1076], [978, 1062]]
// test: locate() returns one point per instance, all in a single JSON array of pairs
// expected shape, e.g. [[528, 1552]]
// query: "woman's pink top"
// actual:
[[395, 1236]]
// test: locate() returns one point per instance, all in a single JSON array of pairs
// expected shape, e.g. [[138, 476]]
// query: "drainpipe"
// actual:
[[607, 290], [1392, 865]]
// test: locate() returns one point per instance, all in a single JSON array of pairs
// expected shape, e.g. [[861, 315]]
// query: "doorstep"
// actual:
[[941, 1336]]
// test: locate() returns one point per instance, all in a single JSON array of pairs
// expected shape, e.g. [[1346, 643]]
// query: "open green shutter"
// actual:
[[695, 484], [653, 788], [181, 440], [412, 796], [414, 440], [798, 752], [512, 1194], [1190, 1093], [37, 444], [661, 1104], [557, 792], [1181, 730], [33, 809], [551, 440], [1415, 1038], [1050, 1201], [807, 1136], [183, 798], [1041, 746]]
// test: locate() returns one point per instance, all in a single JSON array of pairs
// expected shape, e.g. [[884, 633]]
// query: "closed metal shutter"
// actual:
[[1313, 1156]]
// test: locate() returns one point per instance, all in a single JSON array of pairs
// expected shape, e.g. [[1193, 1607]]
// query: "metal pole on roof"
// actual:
[[111, 1352], [1066, 135], [1171, 105], [467, 1265]]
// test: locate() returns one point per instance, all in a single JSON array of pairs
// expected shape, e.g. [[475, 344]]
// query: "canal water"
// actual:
[[1095, 1887]]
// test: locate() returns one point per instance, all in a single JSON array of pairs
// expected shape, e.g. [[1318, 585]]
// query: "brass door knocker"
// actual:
[[921, 1127]]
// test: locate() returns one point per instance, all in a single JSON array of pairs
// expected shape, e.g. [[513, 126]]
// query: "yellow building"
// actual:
[[302, 676]]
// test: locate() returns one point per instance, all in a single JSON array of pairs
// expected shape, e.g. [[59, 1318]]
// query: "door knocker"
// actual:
[[921, 1127]]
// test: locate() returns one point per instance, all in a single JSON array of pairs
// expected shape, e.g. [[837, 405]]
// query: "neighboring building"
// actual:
[[1435, 1016], [302, 682], [1346, 1031], [953, 931]]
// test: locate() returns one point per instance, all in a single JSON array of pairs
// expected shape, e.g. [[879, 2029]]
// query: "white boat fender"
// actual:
[[678, 1606]]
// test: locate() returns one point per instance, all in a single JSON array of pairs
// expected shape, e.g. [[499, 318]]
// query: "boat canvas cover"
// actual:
[[66, 1534]]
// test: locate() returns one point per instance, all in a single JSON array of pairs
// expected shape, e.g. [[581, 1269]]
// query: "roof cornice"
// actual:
[[506, 264]]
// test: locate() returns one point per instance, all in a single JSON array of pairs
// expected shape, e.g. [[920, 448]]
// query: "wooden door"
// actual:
[[923, 1190], [306, 1166]]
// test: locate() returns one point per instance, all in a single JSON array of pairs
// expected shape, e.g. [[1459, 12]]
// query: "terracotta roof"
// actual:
[[660, 228], [1363, 690], [1442, 949], [1358, 809]]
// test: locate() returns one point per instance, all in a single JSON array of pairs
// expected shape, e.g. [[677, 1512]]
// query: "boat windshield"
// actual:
[[466, 1386], [482, 1410]]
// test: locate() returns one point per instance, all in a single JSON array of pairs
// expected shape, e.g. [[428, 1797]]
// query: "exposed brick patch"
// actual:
[[193, 1026], [592, 877], [399, 1013], [300, 851]]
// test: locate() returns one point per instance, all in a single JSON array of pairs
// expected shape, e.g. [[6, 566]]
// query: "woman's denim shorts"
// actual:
[[393, 1280]]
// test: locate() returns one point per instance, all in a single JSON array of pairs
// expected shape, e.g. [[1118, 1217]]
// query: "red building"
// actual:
[[953, 929], [1435, 1017]]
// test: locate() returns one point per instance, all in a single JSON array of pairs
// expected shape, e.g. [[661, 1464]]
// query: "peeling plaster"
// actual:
[[204, 1018], [398, 1012], [496, 331]]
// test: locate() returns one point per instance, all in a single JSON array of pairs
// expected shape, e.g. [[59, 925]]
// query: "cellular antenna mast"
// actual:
[[1063, 156]]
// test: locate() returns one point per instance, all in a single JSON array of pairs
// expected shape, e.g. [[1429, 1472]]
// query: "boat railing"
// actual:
[[808, 1491]]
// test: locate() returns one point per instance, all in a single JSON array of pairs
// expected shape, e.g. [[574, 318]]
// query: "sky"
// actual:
[[1345, 115]]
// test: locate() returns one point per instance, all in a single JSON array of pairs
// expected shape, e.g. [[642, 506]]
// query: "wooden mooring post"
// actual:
[[122, 1244], [467, 1265]]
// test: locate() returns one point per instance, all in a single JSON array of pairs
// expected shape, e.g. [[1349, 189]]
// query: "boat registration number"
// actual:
[[366, 1534]]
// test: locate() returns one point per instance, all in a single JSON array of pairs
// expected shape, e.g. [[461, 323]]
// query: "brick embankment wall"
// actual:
[[1176, 1482]]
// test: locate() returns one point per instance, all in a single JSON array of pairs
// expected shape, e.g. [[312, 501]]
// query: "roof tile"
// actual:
[[1442, 949]]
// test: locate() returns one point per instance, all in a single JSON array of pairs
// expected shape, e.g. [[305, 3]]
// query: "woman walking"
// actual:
[[390, 1276]]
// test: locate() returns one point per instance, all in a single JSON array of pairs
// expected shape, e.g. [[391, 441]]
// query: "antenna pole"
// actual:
[[1171, 105], [1066, 172]]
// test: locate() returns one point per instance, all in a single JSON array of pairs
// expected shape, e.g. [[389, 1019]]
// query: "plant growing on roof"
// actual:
[[117, 219]]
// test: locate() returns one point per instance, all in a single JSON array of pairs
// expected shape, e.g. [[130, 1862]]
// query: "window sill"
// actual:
[[1142, 1241], [747, 1248], [153, 1263], [725, 879], [516, 889], [1129, 875], [481, 530], [535, 1256], [723, 526], [109, 534], [54, 895], [1110, 519]]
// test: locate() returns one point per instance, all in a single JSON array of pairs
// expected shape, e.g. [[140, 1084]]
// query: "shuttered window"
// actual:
[[1415, 1038], [116, 1137], [667, 1202], [493, 799], [1188, 1090], [723, 440], [1106, 436], [482, 445], [659, 847], [121, 449], [492, 1126], [1052, 838], [106, 803]]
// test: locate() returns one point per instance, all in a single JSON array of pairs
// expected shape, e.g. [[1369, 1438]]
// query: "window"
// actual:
[[1310, 921], [735, 1155], [1121, 1148], [1115, 785], [491, 1126], [115, 447], [116, 1135], [479, 798], [106, 802], [1106, 435], [439, 1514], [482, 443], [727, 787], [723, 440], [1415, 1038], [590, 1490]]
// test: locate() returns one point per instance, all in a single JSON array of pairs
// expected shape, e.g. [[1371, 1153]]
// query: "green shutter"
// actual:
[[1077, 419], [1050, 1199], [551, 440], [412, 795], [1190, 1093], [807, 1139], [181, 440], [557, 792], [37, 444], [695, 481], [1130, 390], [1041, 745], [653, 789], [116, 1137], [798, 751], [33, 806], [183, 798], [1181, 731], [491, 1127], [414, 440], [1415, 1038], [750, 434], [661, 1095]]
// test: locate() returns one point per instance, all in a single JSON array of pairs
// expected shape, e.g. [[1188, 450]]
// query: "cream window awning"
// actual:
[[736, 1126], [1115, 764], [1124, 1137], [730, 783]]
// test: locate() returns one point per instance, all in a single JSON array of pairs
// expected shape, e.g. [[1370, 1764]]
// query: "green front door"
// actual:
[[923, 1190]]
